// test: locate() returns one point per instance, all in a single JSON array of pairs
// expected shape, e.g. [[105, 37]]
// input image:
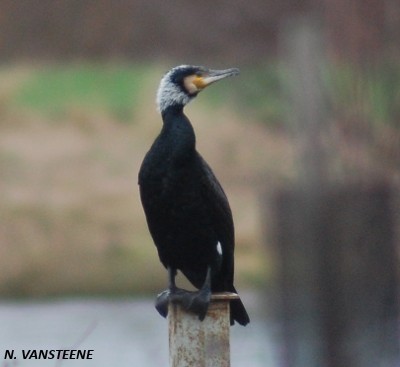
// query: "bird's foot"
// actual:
[[197, 302], [163, 298], [161, 302]]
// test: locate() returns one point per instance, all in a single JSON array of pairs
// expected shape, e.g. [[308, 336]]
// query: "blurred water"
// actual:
[[121, 333]]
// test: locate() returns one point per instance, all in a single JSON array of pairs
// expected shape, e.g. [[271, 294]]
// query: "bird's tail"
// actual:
[[238, 312]]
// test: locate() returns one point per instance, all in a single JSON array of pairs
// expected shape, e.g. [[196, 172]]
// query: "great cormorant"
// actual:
[[187, 211]]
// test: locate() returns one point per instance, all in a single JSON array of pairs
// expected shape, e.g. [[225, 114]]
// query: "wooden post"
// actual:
[[200, 343]]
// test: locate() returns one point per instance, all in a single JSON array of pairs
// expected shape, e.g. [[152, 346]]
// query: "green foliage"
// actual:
[[370, 94], [260, 94], [57, 90], [384, 94], [255, 94]]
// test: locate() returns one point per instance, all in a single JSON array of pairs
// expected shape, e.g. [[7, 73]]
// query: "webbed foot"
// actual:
[[163, 298], [161, 302], [197, 302]]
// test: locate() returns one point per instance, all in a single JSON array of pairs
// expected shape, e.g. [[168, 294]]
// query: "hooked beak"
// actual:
[[196, 83], [212, 76]]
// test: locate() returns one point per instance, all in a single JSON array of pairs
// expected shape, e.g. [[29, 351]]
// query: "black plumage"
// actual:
[[187, 211]]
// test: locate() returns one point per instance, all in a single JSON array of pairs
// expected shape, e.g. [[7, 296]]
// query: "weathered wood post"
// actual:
[[200, 343]]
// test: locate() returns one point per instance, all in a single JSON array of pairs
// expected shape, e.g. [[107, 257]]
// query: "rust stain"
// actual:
[[195, 343]]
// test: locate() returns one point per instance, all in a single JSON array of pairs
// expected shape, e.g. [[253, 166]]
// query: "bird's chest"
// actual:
[[170, 181]]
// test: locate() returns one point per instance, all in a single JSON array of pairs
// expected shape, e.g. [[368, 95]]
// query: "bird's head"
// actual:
[[182, 83]]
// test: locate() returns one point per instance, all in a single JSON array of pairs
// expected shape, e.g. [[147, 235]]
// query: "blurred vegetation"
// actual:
[[72, 138], [114, 89], [372, 92], [106, 88]]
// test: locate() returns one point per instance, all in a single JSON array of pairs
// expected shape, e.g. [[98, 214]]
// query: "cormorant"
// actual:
[[187, 211]]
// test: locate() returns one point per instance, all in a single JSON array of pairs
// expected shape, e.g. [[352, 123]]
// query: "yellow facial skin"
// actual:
[[199, 82], [194, 83]]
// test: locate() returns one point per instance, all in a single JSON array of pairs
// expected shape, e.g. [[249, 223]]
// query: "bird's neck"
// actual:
[[172, 111], [178, 130]]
